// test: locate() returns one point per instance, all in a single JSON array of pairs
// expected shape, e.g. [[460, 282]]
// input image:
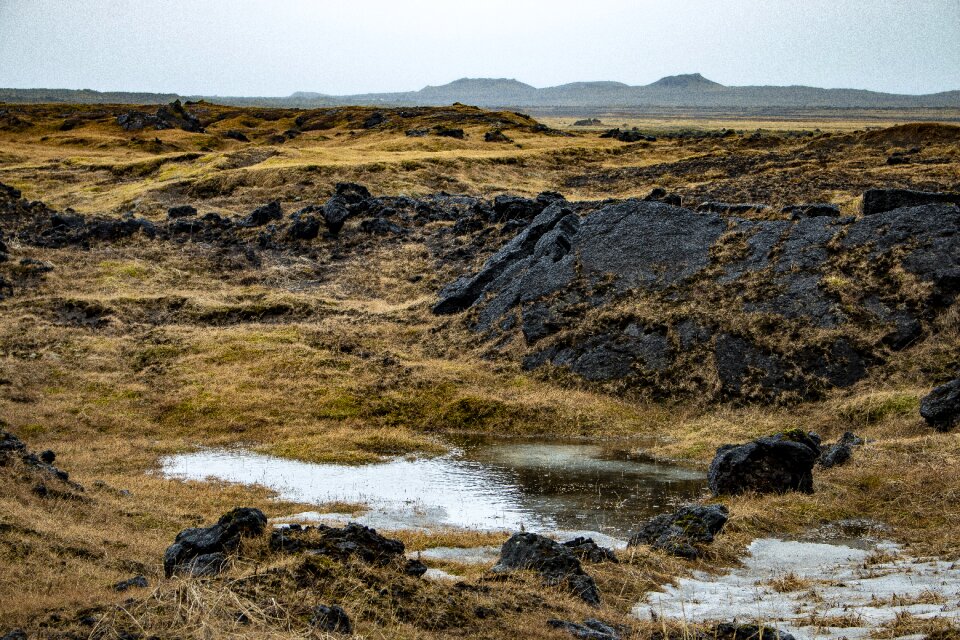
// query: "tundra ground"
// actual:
[[128, 351]]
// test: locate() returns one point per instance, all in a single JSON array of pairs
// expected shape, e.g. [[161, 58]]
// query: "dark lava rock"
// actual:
[[16, 634], [340, 543], [181, 211], [677, 533], [351, 192], [588, 550], [208, 544], [335, 214], [734, 631], [507, 207], [659, 194], [40, 469], [591, 629], [588, 122], [417, 133], [496, 135], [204, 565], [305, 225], [772, 464], [262, 215], [555, 562], [376, 118], [446, 132], [839, 453], [381, 226], [731, 208], [880, 200], [171, 116], [139, 582], [941, 407], [239, 136], [177, 116], [414, 568], [628, 135], [331, 619], [811, 210]]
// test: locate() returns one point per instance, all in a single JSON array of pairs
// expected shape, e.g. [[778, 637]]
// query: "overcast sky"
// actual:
[[276, 47]]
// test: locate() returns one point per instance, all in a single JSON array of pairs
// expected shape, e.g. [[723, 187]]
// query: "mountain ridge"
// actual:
[[683, 90]]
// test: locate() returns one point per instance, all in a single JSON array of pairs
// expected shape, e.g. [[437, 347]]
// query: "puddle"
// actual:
[[834, 583], [484, 485]]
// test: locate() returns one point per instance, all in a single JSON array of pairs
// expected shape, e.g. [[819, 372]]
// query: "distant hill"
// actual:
[[687, 90]]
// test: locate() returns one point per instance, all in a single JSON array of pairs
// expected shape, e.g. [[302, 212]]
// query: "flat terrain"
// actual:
[[326, 350]]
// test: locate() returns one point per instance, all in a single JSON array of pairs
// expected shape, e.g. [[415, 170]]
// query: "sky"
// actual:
[[276, 47]]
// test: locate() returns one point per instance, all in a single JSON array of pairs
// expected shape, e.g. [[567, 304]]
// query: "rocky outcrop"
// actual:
[[628, 135], [941, 407], [671, 301], [202, 551], [171, 116], [353, 540], [881, 200], [556, 563], [772, 464], [680, 533]]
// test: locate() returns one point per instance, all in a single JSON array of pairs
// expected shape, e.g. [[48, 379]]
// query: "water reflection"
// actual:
[[484, 484]]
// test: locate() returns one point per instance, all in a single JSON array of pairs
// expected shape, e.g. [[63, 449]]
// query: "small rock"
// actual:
[[676, 533], [587, 549], [941, 407], [335, 213], [591, 629], [555, 562], [262, 215], [233, 134], [139, 582], [381, 226], [48, 456], [332, 619], [495, 135], [414, 568], [16, 634], [838, 454]]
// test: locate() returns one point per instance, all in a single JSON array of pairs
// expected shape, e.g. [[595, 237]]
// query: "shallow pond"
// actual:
[[483, 484]]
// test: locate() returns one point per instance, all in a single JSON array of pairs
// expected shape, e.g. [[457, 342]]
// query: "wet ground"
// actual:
[[483, 484], [816, 589]]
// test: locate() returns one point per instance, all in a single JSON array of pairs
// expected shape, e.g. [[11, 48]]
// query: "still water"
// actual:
[[483, 484]]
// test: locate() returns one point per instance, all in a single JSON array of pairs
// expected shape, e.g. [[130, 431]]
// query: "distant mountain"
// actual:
[[688, 90], [685, 81]]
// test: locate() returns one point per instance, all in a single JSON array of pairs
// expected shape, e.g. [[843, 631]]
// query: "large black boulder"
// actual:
[[880, 200], [941, 407], [200, 551], [677, 533], [554, 561], [772, 464]]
